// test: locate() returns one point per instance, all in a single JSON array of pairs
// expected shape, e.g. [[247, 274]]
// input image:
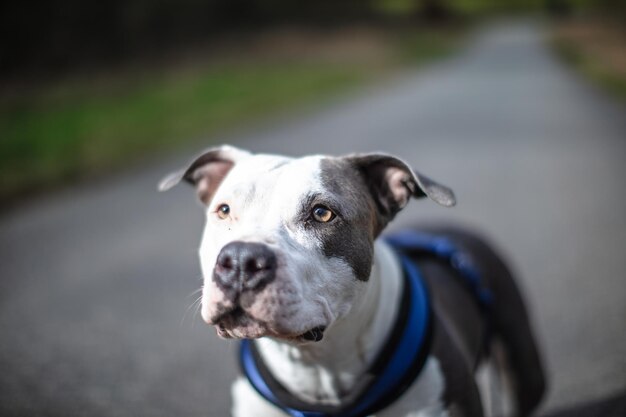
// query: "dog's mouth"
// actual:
[[314, 335], [238, 324]]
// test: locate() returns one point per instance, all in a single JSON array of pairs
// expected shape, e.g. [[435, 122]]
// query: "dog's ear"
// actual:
[[206, 171], [392, 183]]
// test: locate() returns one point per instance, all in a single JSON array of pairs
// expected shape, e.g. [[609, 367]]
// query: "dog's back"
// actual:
[[475, 330]]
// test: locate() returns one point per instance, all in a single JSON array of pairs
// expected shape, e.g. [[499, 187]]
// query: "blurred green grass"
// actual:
[[78, 130], [46, 141], [596, 48], [612, 81]]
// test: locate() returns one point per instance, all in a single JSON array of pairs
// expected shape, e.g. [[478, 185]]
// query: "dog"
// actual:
[[294, 265]]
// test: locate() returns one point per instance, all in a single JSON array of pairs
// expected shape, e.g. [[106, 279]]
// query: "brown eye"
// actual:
[[223, 211], [322, 214]]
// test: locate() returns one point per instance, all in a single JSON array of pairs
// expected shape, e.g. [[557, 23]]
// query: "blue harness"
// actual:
[[405, 353]]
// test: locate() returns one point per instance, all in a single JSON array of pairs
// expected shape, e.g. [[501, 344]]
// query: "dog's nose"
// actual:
[[244, 266]]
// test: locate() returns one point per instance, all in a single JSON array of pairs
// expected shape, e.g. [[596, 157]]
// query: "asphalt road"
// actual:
[[95, 280]]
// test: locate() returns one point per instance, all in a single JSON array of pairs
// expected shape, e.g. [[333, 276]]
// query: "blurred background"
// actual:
[[518, 105]]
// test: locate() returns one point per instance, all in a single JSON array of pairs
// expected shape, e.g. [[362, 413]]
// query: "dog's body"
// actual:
[[290, 257]]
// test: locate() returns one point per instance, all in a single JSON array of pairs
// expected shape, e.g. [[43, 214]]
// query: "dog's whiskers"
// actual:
[[197, 309], [195, 305], [194, 292]]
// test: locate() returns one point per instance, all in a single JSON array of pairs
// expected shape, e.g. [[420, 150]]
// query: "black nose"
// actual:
[[244, 266]]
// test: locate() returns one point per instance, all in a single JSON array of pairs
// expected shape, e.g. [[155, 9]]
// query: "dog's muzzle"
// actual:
[[242, 270]]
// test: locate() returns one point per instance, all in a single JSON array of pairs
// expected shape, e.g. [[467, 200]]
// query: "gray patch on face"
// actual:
[[351, 233]]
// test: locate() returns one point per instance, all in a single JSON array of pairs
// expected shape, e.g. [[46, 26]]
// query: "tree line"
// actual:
[[54, 35]]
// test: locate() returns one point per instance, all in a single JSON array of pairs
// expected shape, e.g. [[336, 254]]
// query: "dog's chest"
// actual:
[[424, 397]]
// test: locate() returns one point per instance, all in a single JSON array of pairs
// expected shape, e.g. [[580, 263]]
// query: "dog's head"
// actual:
[[288, 243]]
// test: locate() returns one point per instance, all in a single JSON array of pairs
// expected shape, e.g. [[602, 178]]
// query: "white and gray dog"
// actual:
[[291, 257]]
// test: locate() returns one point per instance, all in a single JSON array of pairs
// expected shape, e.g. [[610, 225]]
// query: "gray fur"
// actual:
[[392, 183], [508, 320], [351, 234]]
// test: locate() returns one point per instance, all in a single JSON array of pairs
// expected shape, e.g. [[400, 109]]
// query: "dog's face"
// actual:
[[288, 243]]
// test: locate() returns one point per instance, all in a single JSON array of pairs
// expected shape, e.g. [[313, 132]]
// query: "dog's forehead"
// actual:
[[264, 176]]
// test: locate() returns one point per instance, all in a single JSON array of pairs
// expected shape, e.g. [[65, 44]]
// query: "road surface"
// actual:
[[96, 279]]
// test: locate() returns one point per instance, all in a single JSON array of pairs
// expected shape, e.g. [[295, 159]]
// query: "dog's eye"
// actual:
[[322, 214], [223, 211]]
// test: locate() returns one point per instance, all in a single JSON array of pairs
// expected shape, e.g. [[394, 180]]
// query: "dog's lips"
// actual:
[[238, 324]]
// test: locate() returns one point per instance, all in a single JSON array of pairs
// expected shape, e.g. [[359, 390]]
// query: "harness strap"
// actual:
[[445, 249]]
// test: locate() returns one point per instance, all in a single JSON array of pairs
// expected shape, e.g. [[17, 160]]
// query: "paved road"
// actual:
[[95, 280]]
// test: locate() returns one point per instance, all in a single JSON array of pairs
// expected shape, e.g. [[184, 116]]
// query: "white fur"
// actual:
[[423, 399], [247, 402], [495, 385]]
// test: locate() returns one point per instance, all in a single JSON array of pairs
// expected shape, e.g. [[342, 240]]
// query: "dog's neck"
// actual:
[[326, 371]]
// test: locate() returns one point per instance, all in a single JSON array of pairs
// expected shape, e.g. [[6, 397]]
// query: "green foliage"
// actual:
[[458, 8], [84, 129], [609, 79], [395, 7], [48, 139], [425, 45], [610, 8]]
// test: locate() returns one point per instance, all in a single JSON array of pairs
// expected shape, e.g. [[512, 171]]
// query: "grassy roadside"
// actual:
[[84, 127], [597, 48]]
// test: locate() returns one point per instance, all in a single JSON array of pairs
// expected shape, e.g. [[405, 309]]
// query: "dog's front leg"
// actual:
[[248, 403]]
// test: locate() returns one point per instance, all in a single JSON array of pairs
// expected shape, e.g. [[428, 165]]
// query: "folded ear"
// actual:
[[206, 171], [392, 183]]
